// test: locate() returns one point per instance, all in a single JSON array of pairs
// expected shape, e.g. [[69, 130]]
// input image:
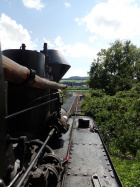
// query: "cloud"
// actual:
[[76, 72], [113, 19], [76, 50], [67, 5], [48, 43], [93, 38], [59, 42], [33, 4], [13, 34]]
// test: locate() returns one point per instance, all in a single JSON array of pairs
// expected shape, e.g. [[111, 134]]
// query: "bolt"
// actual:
[[32, 147], [31, 174], [68, 173], [76, 174], [10, 168], [34, 167], [85, 174], [43, 174], [113, 176]]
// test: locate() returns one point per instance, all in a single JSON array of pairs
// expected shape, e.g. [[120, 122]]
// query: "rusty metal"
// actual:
[[18, 74]]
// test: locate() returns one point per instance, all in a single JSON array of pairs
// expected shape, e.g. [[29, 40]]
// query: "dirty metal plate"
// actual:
[[79, 181], [88, 158], [85, 159]]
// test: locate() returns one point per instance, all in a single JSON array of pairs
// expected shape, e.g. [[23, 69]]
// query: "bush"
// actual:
[[118, 116]]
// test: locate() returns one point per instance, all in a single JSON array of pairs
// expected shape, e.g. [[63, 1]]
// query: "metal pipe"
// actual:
[[28, 109], [15, 73], [15, 178], [36, 157]]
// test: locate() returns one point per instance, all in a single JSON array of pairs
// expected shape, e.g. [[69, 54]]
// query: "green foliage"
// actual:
[[71, 84], [116, 68], [128, 170], [114, 103], [118, 116]]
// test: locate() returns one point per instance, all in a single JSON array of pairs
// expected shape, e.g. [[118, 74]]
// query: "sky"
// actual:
[[79, 29]]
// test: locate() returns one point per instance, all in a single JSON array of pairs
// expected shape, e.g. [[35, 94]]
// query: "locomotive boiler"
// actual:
[[30, 115], [43, 142]]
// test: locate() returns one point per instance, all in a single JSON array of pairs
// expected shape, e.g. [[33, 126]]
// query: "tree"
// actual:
[[71, 84], [116, 68]]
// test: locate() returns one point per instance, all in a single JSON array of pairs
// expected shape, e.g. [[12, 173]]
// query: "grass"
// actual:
[[77, 88], [128, 171]]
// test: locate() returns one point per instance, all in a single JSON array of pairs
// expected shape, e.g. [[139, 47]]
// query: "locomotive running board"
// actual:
[[89, 162]]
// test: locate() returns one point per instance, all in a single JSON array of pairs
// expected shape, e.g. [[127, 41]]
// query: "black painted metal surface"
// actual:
[[31, 59], [89, 163], [58, 64], [21, 97], [2, 116], [68, 104], [87, 158]]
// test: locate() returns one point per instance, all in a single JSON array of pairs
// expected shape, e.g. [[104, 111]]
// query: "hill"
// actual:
[[76, 78]]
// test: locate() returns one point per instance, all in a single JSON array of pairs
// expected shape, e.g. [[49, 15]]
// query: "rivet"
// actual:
[[85, 174], [68, 173], [113, 176]]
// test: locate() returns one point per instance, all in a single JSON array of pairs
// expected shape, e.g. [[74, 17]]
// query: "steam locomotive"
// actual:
[[44, 143]]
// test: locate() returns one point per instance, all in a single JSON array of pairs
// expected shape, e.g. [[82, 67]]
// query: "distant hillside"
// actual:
[[76, 78]]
